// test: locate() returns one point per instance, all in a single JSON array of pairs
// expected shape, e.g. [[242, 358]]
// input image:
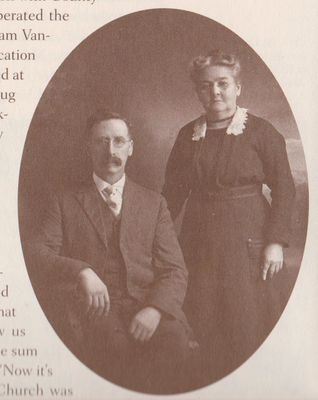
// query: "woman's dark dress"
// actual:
[[226, 225]]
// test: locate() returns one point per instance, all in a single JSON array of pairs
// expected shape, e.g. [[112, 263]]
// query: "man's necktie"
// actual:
[[112, 195]]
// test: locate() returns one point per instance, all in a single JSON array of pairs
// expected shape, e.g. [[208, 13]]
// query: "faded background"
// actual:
[[138, 66]]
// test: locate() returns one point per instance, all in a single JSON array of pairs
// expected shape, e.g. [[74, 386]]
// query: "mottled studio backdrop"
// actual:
[[138, 66]]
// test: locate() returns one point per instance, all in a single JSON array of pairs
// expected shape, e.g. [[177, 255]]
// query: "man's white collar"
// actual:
[[101, 184]]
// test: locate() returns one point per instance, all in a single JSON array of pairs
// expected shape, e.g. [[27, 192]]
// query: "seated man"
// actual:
[[113, 243]]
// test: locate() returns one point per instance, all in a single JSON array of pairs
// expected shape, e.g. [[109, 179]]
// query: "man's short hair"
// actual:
[[103, 115]]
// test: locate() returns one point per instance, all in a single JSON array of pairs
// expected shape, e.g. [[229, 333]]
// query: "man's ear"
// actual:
[[131, 148]]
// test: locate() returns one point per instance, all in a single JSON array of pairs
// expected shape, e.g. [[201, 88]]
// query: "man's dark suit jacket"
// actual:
[[73, 238]]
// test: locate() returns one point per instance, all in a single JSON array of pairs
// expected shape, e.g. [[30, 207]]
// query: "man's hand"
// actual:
[[144, 324], [273, 260], [93, 292]]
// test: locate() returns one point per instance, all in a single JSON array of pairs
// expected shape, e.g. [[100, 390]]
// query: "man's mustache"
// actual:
[[114, 160]]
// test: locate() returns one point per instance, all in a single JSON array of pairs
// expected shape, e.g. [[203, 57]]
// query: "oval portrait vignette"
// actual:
[[163, 201]]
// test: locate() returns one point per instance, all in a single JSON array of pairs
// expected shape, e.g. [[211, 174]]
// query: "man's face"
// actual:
[[110, 146]]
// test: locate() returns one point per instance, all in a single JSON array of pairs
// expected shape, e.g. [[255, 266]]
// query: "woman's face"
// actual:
[[217, 90]]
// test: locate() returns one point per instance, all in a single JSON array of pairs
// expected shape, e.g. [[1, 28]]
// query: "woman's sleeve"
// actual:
[[178, 173], [279, 179]]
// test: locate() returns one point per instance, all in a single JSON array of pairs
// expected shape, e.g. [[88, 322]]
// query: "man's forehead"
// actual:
[[114, 126]]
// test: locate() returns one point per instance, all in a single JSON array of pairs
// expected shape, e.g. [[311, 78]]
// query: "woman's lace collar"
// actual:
[[236, 126]]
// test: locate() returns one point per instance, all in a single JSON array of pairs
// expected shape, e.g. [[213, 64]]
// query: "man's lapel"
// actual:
[[89, 198], [132, 203]]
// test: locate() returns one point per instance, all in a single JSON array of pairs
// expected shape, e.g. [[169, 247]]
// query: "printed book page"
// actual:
[[60, 60]]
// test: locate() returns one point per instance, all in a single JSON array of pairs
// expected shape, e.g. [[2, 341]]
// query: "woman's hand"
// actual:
[[273, 260]]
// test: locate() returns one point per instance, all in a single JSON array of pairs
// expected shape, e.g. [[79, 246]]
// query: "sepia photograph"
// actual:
[[163, 201]]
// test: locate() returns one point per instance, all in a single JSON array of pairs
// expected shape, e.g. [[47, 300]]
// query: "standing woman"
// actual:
[[231, 236]]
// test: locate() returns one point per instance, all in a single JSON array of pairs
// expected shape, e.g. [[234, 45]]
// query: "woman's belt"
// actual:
[[229, 193]]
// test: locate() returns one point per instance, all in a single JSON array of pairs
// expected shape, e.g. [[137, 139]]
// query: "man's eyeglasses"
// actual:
[[117, 141]]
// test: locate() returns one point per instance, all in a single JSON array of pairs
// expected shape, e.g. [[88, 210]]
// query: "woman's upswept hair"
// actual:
[[216, 57]]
